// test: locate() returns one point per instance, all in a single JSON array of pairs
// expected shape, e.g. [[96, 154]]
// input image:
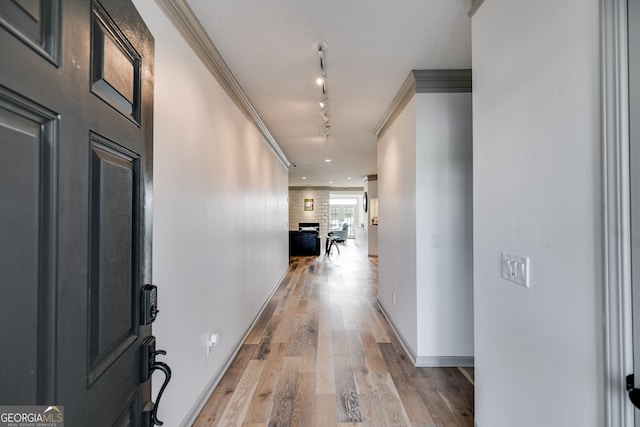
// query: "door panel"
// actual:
[[35, 23], [113, 253], [115, 66], [75, 192], [27, 144]]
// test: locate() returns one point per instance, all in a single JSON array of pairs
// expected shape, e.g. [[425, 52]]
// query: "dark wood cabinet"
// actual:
[[304, 243]]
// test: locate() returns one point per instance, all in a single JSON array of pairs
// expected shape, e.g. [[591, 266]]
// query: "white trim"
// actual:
[[616, 216], [402, 98], [192, 415], [444, 362], [423, 81], [426, 361], [188, 25], [475, 5], [403, 342]]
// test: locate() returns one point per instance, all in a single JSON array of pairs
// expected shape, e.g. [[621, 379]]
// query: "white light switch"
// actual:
[[516, 269]]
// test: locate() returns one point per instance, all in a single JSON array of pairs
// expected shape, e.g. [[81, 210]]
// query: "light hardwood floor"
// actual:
[[322, 354]]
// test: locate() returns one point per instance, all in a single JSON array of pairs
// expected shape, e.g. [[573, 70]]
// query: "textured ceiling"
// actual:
[[372, 45]]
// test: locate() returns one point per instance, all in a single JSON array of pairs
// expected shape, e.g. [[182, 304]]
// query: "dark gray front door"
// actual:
[[76, 104]]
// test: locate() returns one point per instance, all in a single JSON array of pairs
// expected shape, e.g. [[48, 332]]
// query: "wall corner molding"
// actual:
[[475, 5], [424, 81], [617, 310], [188, 25], [398, 103]]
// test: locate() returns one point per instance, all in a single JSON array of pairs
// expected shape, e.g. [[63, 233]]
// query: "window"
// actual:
[[343, 210]]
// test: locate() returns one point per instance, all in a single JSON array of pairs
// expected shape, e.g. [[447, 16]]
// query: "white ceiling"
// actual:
[[372, 45]]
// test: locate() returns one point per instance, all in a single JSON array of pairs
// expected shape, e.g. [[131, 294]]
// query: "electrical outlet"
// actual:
[[516, 269], [212, 342]]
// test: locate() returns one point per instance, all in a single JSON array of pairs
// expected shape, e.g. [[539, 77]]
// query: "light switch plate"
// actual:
[[516, 269]]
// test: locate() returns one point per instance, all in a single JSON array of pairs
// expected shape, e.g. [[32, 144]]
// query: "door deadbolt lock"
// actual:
[[148, 304]]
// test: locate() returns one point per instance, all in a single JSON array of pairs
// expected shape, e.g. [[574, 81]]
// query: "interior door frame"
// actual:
[[356, 219], [616, 198]]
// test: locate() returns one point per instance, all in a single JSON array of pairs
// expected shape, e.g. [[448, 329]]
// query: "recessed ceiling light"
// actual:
[[330, 182], [320, 81], [327, 160], [304, 177], [348, 177]]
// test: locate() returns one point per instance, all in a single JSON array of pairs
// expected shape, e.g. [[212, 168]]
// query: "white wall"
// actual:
[[537, 193], [425, 231], [444, 227], [220, 219], [397, 218]]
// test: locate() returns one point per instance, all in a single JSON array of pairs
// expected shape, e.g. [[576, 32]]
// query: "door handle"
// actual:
[[634, 393], [149, 364], [167, 377]]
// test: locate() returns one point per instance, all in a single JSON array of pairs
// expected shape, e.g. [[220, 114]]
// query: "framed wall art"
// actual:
[[308, 204]]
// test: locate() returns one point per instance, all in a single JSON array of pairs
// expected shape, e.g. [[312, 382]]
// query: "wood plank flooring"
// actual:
[[322, 354]]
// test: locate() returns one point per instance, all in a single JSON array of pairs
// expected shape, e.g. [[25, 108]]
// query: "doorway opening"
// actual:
[[344, 208]]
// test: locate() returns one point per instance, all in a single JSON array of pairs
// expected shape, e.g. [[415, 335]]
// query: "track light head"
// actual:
[[325, 100], [321, 81]]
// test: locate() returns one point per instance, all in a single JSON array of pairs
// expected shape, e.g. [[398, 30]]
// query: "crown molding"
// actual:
[[325, 188], [424, 81], [347, 189], [400, 101], [188, 25], [475, 5], [309, 187], [442, 81]]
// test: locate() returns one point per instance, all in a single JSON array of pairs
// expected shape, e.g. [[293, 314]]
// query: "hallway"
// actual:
[[322, 354]]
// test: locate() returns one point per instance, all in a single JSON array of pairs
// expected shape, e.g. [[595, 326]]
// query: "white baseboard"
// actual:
[[444, 361], [407, 348], [206, 393], [427, 361]]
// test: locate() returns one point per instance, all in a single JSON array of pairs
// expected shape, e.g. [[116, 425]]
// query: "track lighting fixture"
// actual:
[[324, 112], [322, 81]]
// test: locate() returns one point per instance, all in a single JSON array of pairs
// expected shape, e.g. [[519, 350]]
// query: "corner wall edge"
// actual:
[[424, 81]]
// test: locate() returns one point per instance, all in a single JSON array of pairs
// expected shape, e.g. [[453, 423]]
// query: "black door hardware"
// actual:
[[148, 304], [149, 364], [634, 393]]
